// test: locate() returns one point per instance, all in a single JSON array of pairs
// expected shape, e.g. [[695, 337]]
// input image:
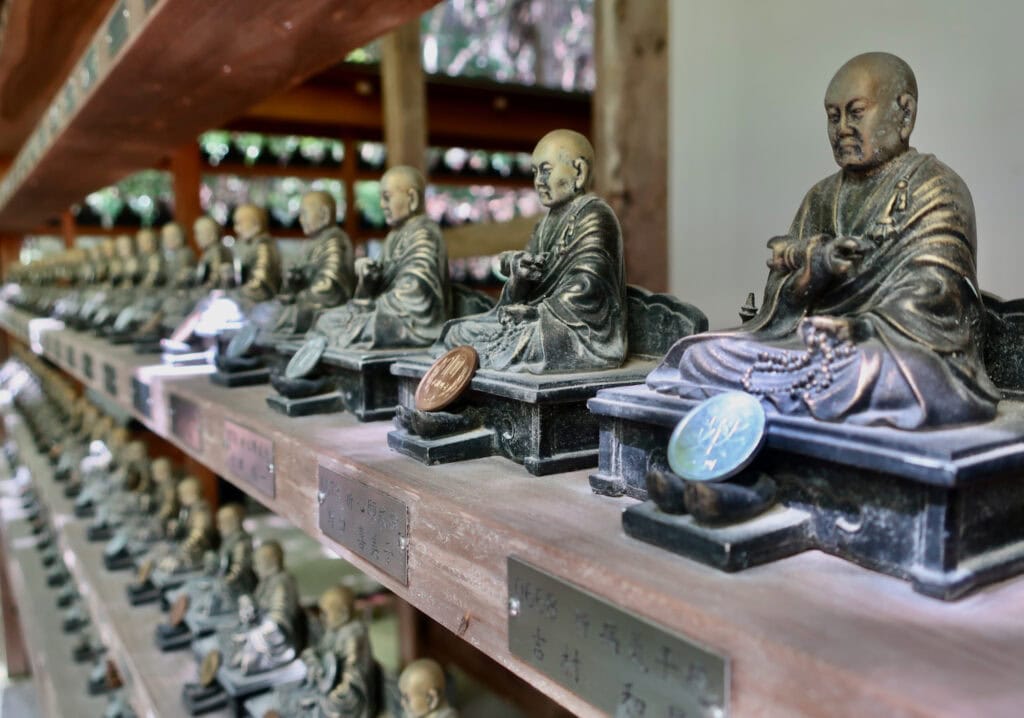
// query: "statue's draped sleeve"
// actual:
[[239, 561], [262, 278], [329, 265]]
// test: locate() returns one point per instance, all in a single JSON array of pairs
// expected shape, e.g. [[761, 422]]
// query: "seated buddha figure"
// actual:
[[871, 312], [323, 277], [257, 259], [563, 308], [402, 299]]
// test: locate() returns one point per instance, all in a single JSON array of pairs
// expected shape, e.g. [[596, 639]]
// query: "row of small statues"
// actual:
[[229, 598], [871, 313]]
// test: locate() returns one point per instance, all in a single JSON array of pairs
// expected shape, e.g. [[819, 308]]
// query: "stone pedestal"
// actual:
[[540, 421], [943, 509]]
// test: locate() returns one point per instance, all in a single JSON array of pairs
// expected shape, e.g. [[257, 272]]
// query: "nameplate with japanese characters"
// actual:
[[140, 397], [87, 365], [110, 379], [186, 422], [366, 521], [622, 664], [250, 457]]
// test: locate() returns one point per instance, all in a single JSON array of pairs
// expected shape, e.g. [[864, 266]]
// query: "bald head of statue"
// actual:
[[206, 231], [250, 221], [269, 559], [421, 686], [401, 194], [563, 167], [316, 211], [871, 105], [337, 604]]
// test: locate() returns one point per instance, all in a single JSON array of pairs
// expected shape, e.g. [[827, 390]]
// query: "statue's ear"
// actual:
[[433, 699], [414, 201], [908, 109], [582, 168]]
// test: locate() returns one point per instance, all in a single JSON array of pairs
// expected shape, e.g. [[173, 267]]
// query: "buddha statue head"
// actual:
[[145, 239], [125, 246], [206, 231], [108, 248], [563, 167], [337, 604], [161, 470], [421, 686], [871, 105], [189, 491], [401, 194], [229, 519], [269, 559], [250, 222], [317, 210], [172, 237]]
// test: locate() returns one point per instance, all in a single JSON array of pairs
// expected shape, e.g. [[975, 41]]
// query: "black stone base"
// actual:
[[172, 638], [66, 597], [943, 509], [234, 379], [72, 490], [361, 379], [319, 404], [48, 558], [57, 578], [121, 339], [84, 651], [85, 510], [541, 422], [203, 699], [147, 346], [142, 593], [118, 561], [98, 532]]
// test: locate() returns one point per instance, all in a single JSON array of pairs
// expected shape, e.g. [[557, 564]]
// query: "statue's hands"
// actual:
[[246, 610], [820, 330], [369, 273], [168, 564], [524, 269], [844, 254], [517, 313]]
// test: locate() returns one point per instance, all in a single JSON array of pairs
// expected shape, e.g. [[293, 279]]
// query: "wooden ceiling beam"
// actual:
[[178, 74]]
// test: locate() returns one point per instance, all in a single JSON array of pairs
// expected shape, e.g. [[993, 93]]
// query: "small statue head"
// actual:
[[206, 231], [161, 470], [145, 239], [189, 491], [269, 559], [118, 439], [316, 211], [871, 105], [563, 167], [108, 247], [135, 451], [338, 606], [229, 519], [172, 236], [250, 221], [125, 246], [401, 194], [422, 688]]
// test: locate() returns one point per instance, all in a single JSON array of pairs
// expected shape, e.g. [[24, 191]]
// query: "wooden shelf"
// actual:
[[805, 635], [153, 94]]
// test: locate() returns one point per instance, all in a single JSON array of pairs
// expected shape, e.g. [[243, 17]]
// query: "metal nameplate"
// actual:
[[87, 365], [140, 397], [110, 379], [71, 356], [250, 457], [366, 521], [186, 422], [614, 660]]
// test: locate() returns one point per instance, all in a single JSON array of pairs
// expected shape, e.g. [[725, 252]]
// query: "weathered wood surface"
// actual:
[[808, 635], [158, 93]]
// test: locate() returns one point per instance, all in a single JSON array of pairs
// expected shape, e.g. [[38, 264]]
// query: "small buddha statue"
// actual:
[[323, 278], [151, 261], [215, 258], [179, 258], [563, 308], [194, 529], [403, 298], [871, 312], [257, 261], [422, 688], [266, 635]]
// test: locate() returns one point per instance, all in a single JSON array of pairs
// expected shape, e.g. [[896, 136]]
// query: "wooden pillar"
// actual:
[[631, 51], [404, 97], [349, 173], [68, 228], [186, 166]]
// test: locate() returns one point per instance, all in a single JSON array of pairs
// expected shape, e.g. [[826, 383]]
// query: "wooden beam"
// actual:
[[176, 76], [632, 150], [185, 173], [404, 97], [68, 229]]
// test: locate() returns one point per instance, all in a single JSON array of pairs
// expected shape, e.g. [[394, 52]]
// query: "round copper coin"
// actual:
[[303, 361], [178, 610], [209, 667], [447, 379], [242, 341]]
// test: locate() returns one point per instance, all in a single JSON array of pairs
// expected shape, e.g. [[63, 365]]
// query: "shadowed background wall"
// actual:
[[747, 125]]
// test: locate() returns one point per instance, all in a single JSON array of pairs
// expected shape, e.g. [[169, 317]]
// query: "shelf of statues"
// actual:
[[883, 421]]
